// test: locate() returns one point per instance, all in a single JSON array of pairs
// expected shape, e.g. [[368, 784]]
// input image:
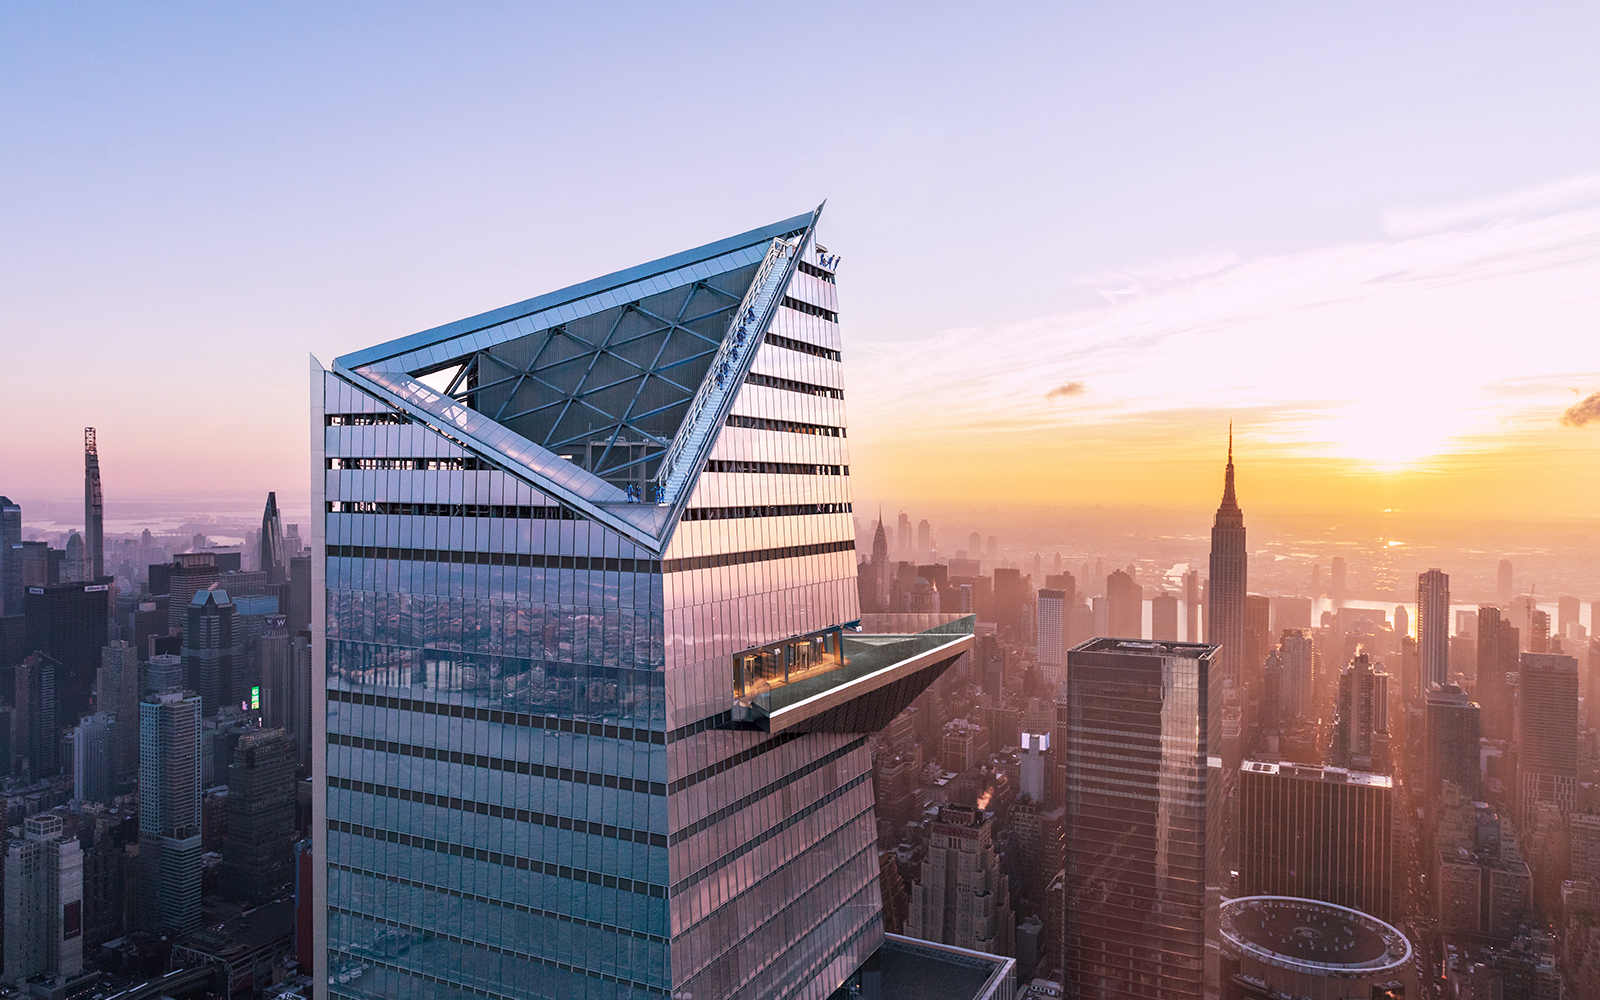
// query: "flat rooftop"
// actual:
[[1144, 647], [922, 970], [1314, 772]]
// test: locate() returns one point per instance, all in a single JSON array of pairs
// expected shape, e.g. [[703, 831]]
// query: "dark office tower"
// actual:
[[1336, 579], [272, 559], [68, 622], [1010, 601], [1433, 629], [1257, 633], [599, 731], [35, 739], [94, 511], [117, 693], [169, 812], [10, 557], [1362, 736], [1547, 733], [1452, 732], [1191, 606], [1164, 617], [213, 650], [189, 573], [1497, 659], [1125, 606], [924, 541], [1317, 833], [299, 594], [1505, 587], [1142, 845], [258, 850]]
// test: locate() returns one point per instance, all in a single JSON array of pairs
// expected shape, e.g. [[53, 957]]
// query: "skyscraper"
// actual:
[[169, 811], [1052, 631], [587, 722], [1225, 614], [1362, 736], [961, 897], [1191, 606], [1497, 660], [1452, 729], [213, 650], [1547, 733], [903, 549], [273, 561], [94, 776], [1125, 606], [44, 902], [10, 557], [34, 738], [1433, 629], [1504, 584], [924, 541], [1318, 833], [94, 542], [190, 573], [1142, 843], [1164, 617], [258, 851], [117, 692]]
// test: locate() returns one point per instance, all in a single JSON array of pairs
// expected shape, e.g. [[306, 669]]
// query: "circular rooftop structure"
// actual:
[[1312, 938]]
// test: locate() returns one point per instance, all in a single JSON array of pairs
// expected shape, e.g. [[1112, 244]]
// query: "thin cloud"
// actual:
[[1066, 389], [1582, 413], [1403, 222]]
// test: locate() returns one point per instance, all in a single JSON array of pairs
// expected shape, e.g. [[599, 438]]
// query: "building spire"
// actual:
[[1228, 498]]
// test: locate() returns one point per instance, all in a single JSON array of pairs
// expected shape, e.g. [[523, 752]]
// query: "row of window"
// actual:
[[527, 560], [466, 464], [761, 793], [756, 555], [497, 858], [789, 343], [770, 510], [728, 763], [787, 426], [801, 816], [806, 267], [790, 385], [775, 468], [522, 559], [510, 512], [810, 310], [366, 419], [617, 781], [500, 812], [493, 949], [575, 726], [507, 904]]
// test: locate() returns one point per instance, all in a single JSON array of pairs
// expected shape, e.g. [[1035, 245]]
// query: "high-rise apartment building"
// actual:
[[117, 693], [587, 721], [10, 557], [169, 811], [271, 555], [213, 650], [94, 775], [962, 898], [258, 851], [1497, 660], [1362, 733], [34, 735], [1143, 843], [44, 903], [1547, 733], [1052, 631], [94, 511], [1433, 629], [1225, 610], [1318, 833]]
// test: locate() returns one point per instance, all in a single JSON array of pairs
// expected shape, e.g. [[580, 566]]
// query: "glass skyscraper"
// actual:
[[594, 704]]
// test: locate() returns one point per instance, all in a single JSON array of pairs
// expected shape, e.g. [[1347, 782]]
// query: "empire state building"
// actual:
[[1225, 613]]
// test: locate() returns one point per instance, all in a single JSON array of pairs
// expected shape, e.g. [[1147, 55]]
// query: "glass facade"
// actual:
[[549, 534], [1138, 838]]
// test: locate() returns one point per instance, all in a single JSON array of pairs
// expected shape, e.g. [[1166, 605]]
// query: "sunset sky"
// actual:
[[1077, 241]]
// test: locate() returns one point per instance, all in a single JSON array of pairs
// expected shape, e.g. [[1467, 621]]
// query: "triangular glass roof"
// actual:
[[586, 389]]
